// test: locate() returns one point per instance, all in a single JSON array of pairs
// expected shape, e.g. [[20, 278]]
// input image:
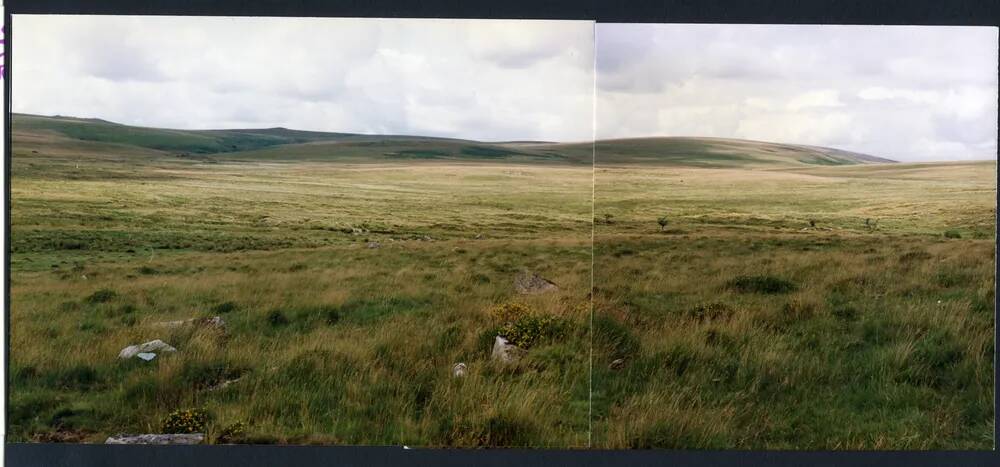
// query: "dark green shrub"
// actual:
[[232, 434], [276, 318], [761, 284], [224, 307], [952, 234], [101, 296]]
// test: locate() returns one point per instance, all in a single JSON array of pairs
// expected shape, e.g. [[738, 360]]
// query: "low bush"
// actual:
[[186, 421], [761, 284]]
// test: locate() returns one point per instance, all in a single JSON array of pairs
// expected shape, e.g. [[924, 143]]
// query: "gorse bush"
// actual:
[[186, 421], [529, 330], [509, 312]]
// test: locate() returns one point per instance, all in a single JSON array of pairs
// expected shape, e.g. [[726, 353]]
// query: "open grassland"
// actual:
[[328, 340], [766, 314]]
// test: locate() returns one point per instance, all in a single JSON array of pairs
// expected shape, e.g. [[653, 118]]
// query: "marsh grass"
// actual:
[[754, 331], [327, 341]]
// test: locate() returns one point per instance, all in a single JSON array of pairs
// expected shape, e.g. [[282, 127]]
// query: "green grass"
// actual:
[[766, 315], [742, 327], [329, 341]]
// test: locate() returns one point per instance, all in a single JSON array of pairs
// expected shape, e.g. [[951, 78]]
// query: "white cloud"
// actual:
[[479, 79], [906, 93]]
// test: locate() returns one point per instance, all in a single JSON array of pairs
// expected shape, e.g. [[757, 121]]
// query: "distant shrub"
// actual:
[[332, 316], [276, 318], [761, 284], [529, 330], [70, 245], [148, 270], [663, 221], [224, 307], [101, 296], [952, 234], [509, 312], [711, 311], [186, 421]]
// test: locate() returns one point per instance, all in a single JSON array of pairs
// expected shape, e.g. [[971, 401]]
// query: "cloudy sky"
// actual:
[[906, 93], [487, 80]]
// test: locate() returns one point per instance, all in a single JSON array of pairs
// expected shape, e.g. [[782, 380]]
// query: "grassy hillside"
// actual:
[[278, 144], [719, 152]]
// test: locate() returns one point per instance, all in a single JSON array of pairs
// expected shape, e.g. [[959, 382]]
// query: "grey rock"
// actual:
[[215, 322], [155, 438], [617, 364], [373, 245], [458, 370], [151, 346], [505, 352], [529, 283]]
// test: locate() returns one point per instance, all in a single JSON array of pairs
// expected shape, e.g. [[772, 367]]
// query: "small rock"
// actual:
[[214, 322], [182, 438], [458, 370], [373, 245], [147, 356], [479, 236], [529, 283], [505, 352], [151, 346], [224, 384], [617, 364]]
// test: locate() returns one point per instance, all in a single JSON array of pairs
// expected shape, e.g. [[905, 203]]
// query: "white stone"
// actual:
[[151, 346], [152, 438], [505, 352], [458, 370]]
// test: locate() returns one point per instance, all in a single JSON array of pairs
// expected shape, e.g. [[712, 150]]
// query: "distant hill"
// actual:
[[721, 152], [282, 144]]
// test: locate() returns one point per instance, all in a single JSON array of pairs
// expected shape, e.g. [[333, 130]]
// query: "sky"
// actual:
[[489, 80], [905, 93]]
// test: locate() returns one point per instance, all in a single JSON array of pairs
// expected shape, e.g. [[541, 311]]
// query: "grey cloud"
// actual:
[[909, 93], [460, 78]]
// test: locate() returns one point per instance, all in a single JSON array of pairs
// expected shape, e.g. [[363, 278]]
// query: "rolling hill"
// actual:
[[282, 144], [721, 152]]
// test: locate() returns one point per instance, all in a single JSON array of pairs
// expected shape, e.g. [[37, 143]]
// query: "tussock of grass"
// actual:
[[761, 285]]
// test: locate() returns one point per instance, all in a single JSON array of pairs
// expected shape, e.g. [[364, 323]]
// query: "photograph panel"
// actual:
[[794, 237], [300, 231]]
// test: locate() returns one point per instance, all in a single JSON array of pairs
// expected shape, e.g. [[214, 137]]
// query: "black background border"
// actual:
[[915, 12]]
